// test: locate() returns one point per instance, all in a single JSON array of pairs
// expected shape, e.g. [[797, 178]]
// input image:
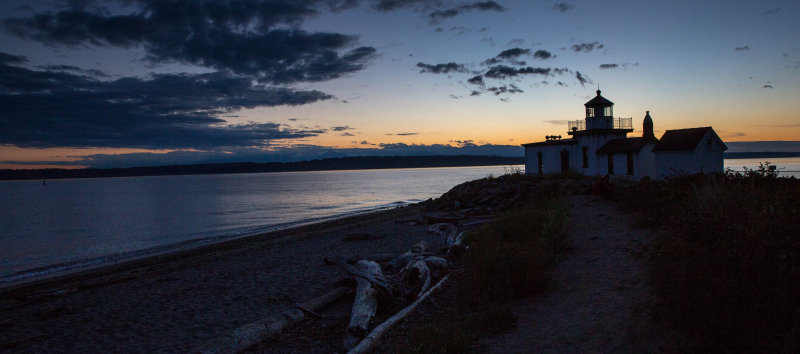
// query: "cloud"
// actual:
[[463, 142], [341, 128], [742, 48], [346, 134], [751, 146], [513, 53], [391, 5], [767, 86], [770, 12], [441, 68], [563, 7], [583, 80], [587, 47], [510, 55], [510, 89], [557, 121], [476, 80], [543, 54], [406, 134], [209, 34], [6, 59], [502, 71], [614, 66], [50, 108], [439, 15]]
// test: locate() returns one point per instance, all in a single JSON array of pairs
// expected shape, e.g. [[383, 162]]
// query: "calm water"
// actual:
[[68, 224], [787, 166]]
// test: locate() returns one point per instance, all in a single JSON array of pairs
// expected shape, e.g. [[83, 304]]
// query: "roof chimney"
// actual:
[[647, 127]]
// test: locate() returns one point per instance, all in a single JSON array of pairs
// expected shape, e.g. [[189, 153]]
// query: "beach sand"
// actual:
[[179, 301]]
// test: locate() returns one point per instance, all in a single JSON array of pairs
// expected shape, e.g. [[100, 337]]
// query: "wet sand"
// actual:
[[176, 302]]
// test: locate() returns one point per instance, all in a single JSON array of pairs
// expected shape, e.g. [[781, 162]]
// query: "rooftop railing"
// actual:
[[617, 123]]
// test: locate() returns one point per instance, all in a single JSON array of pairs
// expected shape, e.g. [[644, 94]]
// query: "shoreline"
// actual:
[[286, 230], [176, 301], [64, 269]]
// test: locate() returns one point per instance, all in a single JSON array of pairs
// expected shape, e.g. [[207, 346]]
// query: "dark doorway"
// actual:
[[564, 160], [630, 164], [611, 164], [539, 155]]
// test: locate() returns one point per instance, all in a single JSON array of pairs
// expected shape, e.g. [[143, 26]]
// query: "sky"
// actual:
[[143, 82]]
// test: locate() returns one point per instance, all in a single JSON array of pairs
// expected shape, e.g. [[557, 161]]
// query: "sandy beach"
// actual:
[[176, 302]]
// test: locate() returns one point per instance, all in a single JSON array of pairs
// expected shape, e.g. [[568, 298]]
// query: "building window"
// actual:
[[585, 157], [611, 164], [589, 112], [607, 112], [630, 164], [539, 155]]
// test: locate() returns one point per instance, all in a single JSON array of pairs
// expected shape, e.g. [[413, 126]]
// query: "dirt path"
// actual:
[[600, 300]]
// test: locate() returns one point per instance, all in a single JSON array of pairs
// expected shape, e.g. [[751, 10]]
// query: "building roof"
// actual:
[[624, 145], [553, 142], [598, 101], [684, 139]]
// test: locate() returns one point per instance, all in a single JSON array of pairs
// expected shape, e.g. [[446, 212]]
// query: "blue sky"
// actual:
[[141, 82]]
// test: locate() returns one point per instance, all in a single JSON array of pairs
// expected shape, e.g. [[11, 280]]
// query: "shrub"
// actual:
[[727, 262]]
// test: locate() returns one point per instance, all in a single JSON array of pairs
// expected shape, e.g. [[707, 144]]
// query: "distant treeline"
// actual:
[[343, 163], [759, 155]]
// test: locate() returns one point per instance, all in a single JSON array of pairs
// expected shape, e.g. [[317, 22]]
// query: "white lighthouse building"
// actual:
[[598, 145]]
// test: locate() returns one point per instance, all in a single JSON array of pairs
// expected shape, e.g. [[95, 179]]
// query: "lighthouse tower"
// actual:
[[599, 113]]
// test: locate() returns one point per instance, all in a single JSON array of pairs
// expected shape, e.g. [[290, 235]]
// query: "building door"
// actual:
[[630, 164], [610, 164], [564, 160], [539, 155]]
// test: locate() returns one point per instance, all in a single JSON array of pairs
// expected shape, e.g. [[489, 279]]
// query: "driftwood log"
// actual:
[[400, 261], [457, 248], [244, 337], [373, 338], [381, 282], [365, 305]]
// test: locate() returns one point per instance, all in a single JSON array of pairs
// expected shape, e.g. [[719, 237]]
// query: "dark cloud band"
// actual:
[[48, 108]]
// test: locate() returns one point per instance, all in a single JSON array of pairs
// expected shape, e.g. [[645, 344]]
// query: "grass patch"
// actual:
[[510, 258], [727, 264]]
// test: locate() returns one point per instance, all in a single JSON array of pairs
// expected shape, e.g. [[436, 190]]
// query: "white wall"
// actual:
[[704, 158], [645, 162]]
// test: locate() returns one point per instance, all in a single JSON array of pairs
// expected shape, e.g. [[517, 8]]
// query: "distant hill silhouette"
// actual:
[[343, 163], [759, 154]]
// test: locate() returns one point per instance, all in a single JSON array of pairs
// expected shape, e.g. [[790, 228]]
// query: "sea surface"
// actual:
[[65, 225], [786, 166]]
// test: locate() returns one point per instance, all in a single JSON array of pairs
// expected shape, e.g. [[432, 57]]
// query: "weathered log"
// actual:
[[380, 281], [419, 249], [447, 232], [457, 248], [373, 338], [365, 305], [437, 265], [417, 275], [244, 337]]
